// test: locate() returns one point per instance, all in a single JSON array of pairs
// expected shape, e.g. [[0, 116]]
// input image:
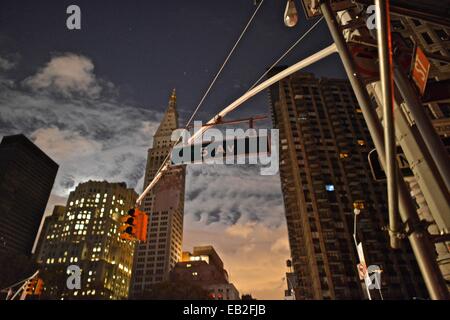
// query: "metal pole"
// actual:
[[387, 84], [425, 127], [420, 243]]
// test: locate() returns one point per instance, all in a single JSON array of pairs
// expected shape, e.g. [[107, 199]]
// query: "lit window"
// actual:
[[329, 187], [344, 155], [361, 142]]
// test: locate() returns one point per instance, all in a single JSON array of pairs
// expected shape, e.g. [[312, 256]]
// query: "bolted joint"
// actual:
[[419, 227], [400, 234]]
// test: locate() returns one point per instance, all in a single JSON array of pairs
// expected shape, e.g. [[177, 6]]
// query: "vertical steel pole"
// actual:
[[420, 243], [387, 84]]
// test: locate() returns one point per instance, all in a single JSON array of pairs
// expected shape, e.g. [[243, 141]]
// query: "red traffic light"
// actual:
[[134, 225]]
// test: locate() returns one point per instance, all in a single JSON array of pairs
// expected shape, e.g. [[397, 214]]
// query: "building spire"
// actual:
[[173, 99], [170, 119]]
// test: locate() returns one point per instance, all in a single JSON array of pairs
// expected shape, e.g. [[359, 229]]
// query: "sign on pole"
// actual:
[[421, 70]]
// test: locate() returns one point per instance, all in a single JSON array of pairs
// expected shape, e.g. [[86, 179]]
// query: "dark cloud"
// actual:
[[233, 194], [67, 111], [67, 182], [213, 216]]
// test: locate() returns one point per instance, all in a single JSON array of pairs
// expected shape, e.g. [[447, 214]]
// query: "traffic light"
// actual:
[[142, 222], [29, 290], [128, 228], [34, 287], [39, 287], [134, 225]]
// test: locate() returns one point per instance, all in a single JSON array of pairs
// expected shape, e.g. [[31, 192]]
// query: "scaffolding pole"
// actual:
[[387, 85]]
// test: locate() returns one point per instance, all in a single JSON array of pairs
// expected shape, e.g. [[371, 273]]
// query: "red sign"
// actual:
[[421, 70]]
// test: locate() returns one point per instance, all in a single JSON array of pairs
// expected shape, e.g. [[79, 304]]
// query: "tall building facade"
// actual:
[[49, 226], [86, 234], [27, 175], [324, 144], [165, 206]]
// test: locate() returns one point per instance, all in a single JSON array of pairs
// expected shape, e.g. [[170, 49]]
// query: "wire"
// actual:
[[224, 64], [286, 53]]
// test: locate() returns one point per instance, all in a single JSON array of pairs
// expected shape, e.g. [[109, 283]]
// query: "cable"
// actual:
[[224, 64], [286, 53], [227, 109]]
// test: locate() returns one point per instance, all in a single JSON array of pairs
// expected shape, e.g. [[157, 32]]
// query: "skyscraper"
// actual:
[[50, 225], [165, 207], [324, 143], [27, 175], [85, 233]]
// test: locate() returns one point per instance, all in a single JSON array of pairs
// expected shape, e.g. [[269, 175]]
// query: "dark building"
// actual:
[[324, 144], [203, 267], [49, 225], [26, 179]]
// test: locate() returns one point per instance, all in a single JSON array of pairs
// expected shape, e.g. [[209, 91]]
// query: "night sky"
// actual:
[[93, 98]]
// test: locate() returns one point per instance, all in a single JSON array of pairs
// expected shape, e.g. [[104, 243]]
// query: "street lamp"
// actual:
[[358, 205], [290, 14]]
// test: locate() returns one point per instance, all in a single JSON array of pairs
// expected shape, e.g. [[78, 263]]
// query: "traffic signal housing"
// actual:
[[128, 227], [134, 225], [34, 287], [29, 290], [39, 287]]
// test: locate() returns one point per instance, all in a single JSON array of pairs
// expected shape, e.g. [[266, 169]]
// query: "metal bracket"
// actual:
[[440, 238], [400, 234], [420, 227]]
